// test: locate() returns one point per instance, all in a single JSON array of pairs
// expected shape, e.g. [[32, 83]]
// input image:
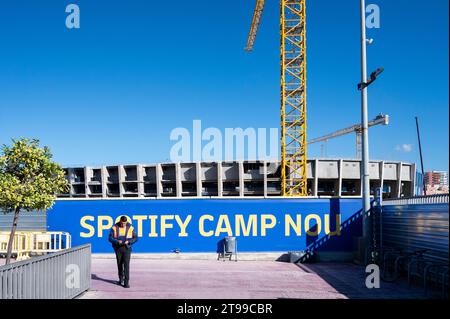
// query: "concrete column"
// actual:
[[219, 180], [399, 179], [70, 175], [413, 180], [316, 177], [104, 180], [178, 178], [340, 165], [158, 172], [86, 181], [198, 177], [140, 178], [121, 176], [265, 177], [241, 178]]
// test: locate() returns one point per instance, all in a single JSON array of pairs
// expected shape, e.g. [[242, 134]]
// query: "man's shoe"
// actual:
[[126, 285]]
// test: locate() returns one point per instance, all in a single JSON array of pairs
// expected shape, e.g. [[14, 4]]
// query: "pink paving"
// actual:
[[197, 279]]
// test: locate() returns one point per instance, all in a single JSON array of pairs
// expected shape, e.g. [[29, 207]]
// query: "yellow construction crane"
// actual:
[[293, 92]]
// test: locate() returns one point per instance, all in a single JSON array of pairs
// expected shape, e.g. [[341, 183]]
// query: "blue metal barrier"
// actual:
[[417, 224], [414, 234]]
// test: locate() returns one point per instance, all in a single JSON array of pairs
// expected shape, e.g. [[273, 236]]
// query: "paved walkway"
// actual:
[[3, 261], [196, 279], [349, 279]]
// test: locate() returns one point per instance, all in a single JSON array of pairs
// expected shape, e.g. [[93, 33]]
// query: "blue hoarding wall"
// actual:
[[199, 225]]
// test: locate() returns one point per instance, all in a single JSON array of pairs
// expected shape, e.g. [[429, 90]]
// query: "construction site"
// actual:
[[325, 177], [307, 224]]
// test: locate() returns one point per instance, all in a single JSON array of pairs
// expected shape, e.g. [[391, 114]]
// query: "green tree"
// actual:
[[29, 180]]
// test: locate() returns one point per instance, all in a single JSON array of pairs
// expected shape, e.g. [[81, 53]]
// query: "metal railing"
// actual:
[[61, 275], [27, 243], [19, 246], [49, 242], [432, 199]]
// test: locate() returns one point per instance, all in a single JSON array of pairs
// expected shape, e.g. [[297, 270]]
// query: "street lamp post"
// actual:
[[363, 87], [364, 124]]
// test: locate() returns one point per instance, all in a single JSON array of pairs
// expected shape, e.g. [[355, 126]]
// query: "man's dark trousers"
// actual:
[[123, 255]]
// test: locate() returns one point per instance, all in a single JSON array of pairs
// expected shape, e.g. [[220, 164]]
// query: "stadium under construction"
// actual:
[[326, 177], [324, 209], [190, 207], [206, 201]]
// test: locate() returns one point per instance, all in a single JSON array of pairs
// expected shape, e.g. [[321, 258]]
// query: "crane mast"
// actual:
[[293, 92], [293, 98]]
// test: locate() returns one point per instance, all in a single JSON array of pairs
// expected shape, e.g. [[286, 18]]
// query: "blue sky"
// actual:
[[112, 91]]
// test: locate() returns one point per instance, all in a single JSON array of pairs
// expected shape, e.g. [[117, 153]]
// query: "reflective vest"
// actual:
[[123, 233]]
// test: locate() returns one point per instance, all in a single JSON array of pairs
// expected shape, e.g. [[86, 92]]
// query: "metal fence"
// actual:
[[62, 275], [27, 244], [414, 224], [432, 199], [28, 221]]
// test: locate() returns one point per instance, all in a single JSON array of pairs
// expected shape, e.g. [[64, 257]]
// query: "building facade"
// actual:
[[326, 177], [436, 178]]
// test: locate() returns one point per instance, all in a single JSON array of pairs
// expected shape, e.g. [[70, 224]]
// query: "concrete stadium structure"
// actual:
[[326, 177]]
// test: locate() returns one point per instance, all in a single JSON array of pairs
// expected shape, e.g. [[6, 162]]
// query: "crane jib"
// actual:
[[257, 15]]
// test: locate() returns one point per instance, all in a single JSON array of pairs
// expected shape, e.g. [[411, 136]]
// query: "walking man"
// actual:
[[122, 236]]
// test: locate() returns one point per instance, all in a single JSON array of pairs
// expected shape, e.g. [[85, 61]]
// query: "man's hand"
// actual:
[[127, 242], [120, 242]]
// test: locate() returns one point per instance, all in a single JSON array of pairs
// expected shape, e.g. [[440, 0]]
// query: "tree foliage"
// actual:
[[29, 179]]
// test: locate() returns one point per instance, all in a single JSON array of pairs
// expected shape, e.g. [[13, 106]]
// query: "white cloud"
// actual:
[[407, 148]]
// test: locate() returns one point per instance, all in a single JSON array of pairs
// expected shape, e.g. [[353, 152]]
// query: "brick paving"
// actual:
[[349, 279], [197, 279]]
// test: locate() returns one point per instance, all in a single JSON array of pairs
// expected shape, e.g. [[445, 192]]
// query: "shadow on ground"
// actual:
[[350, 280], [109, 281]]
